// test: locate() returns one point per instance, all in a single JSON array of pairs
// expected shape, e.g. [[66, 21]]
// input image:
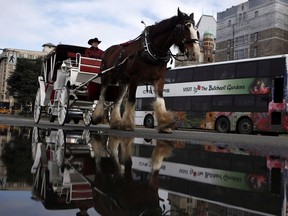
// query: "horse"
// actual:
[[144, 61], [115, 189]]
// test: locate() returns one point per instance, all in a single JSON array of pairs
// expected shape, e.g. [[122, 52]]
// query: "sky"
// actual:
[[28, 24]]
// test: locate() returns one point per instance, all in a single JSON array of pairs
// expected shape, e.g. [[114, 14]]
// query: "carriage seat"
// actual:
[[86, 69], [78, 188], [89, 65]]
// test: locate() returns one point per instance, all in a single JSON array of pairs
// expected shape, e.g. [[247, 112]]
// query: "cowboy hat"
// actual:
[[94, 40]]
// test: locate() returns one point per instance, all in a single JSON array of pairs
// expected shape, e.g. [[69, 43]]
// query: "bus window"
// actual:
[[278, 67], [244, 101], [182, 104], [200, 103], [138, 104], [264, 68], [262, 102], [185, 75], [226, 71], [246, 69], [272, 67], [170, 76], [203, 73], [278, 89], [222, 101], [144, 104], [169, 102]]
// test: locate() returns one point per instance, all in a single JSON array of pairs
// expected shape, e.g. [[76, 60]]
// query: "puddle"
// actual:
[[45, 171]]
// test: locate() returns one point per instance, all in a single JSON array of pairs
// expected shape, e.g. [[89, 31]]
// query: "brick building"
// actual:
[[8, 61], [254, 28]]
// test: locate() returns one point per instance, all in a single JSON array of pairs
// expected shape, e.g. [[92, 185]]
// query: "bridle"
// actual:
[[180, 29], [149, 53], [191, 40]]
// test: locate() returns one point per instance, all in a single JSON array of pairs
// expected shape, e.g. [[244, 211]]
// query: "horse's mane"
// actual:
[[164, 25]]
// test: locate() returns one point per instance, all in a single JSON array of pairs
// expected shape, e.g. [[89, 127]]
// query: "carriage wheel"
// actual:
[[51, 117], [37, 107], [87, 117], [59, 147], [35, 139], [63, 105]]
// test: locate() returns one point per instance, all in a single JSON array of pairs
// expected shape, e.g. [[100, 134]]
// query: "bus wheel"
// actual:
[[222, 125], [149, 121], [245, 126]]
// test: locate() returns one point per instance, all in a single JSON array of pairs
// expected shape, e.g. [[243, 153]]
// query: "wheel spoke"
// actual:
[[37, 107], [63, 105]]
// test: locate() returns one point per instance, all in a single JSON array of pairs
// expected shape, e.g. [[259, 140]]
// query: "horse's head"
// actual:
[[187, 36]]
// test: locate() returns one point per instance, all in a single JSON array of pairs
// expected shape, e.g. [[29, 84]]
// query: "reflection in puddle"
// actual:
[[103, 174]]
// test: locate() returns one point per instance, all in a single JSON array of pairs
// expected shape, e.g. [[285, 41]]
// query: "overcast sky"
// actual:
[[28, 24]]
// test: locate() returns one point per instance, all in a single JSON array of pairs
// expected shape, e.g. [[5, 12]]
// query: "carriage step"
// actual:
[[79, 104]]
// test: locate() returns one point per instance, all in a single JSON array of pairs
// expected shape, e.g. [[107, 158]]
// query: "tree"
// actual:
[[23, 82]]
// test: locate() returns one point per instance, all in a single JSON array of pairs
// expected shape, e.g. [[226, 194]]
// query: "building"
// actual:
[[8, 61], [208, 47], [206, 23], [254, 28]]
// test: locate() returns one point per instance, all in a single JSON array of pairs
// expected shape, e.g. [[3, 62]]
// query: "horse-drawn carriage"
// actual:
[[68, 91], [61, 158], [68, 86]]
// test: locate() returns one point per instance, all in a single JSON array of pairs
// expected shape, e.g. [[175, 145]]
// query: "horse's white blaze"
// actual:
[[194, 50], [193, 32]]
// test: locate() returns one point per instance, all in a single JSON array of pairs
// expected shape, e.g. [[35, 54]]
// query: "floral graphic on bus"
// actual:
[[260, 87], [196, 89]]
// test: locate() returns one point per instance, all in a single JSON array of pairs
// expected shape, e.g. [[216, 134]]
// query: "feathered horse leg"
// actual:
[[165, 118]]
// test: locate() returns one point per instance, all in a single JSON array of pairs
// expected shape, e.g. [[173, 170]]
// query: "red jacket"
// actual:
[[94, 53]]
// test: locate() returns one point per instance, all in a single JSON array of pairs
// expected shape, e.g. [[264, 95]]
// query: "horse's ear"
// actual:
[[192, 16], [180, 14]]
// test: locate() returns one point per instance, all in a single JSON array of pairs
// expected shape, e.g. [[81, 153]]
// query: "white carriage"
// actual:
[[61, 159], [69, 86]]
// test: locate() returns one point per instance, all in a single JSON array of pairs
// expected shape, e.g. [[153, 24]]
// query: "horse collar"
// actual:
[[148, 53]]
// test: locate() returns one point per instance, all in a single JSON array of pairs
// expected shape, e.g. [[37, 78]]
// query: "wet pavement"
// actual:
[[48, 171]]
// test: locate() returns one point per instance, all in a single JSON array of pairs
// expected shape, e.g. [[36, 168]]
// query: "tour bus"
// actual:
[[242, 95], [234, 178]]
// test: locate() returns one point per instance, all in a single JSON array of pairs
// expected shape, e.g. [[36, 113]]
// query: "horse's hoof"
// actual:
[[97, 120], [165, 130], [116, 125], [128, 129]]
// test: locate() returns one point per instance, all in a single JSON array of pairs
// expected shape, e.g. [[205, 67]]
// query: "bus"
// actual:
[[244, 96], [234, 178]]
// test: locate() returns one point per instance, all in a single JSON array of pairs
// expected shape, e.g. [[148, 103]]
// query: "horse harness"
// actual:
[[148, 52]]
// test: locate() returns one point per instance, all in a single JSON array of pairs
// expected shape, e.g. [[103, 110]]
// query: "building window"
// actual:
[[256, 13], [255, 51], [228, 56], [229, 43], [229, 22], [244, 16], [236, 54], [240, 17], [256, 37]]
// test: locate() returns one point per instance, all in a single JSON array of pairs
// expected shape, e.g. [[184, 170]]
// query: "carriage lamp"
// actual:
[[64, 67]]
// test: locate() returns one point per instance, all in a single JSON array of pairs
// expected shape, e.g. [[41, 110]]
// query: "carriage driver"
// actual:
[[94, 51]]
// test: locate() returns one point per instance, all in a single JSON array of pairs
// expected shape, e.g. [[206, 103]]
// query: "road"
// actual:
[[275, 145]]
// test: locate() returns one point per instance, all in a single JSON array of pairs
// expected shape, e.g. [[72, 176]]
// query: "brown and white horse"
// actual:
[[144, 61], [115, 191]]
